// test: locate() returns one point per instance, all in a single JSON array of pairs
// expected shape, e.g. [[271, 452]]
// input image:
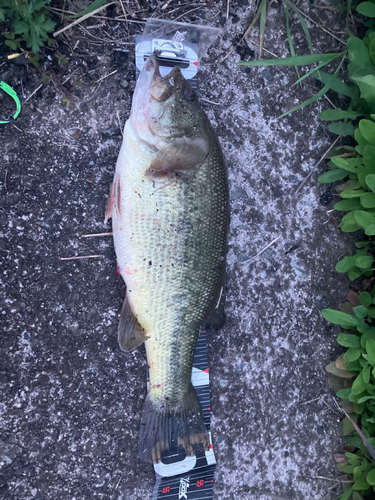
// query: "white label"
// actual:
[[184, 486]]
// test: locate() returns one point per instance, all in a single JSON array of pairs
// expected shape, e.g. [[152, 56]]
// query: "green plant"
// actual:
[[61, 59], [12, 41], [352, 375], [30, 19]]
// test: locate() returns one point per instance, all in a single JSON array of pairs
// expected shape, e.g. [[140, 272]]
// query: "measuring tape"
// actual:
[[191, 478], [5, 87]]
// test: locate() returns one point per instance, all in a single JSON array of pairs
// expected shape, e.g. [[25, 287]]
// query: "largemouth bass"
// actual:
[[169, 209]]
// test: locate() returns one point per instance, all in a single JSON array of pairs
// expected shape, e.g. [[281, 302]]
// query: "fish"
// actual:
[[169, 208]]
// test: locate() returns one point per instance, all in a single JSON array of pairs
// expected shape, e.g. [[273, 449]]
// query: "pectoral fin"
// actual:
[[178, 156], [130, 332]]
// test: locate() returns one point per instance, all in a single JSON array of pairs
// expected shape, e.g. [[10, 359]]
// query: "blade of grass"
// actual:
[[303, 24], [291, 47], [262, 25], [317, 68], [263, 2], [261, 6], [317, 96], [291, 61], [95, 5], [338, 86]]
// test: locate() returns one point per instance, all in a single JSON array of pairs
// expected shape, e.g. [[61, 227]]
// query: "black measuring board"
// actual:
[[190, 478]]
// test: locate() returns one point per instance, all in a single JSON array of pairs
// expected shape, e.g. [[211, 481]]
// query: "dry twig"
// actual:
[[82, 257], [95, 234], [259, 253], [314, 167], [83, 18]]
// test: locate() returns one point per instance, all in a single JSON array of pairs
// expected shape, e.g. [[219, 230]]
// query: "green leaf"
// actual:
[[363, 327], [365, 299], [364, 219], [360, 312], [360, 484], [366, 9], [348, 340], [370, 181], [350, 227], [367, 87], [346, 495], [358, 56], [370, 349], [293, 61], [344, 164], [349, 217], [370, 230], [341, 128], [352, 354], [368, 200], [371, 51], [366, 374], [344, 393], [340, 318], [352, 193], [332, 176], [11, 44], [354, 273], [359, 385], [370, 478], [369, 158], [364, 262], [364, 399], [350, 204], [339, 114], [363, 245], [345, 264], [95, 5], [371, 312], [2, 15], [367, 129]]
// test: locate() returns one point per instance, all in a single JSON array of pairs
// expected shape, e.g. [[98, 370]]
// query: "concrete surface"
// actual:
[[70, 400]]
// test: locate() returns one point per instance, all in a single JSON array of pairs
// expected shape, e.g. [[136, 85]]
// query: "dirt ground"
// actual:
[[71, 401]]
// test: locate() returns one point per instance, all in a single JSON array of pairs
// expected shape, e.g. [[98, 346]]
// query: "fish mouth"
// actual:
[[162, 88]]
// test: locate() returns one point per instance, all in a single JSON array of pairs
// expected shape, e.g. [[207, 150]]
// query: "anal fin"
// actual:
[[130, 332]]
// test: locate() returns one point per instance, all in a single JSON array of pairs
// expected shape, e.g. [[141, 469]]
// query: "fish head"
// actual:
[[163, 108]]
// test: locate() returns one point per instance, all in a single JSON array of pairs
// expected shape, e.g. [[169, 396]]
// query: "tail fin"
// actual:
[[167, 429]]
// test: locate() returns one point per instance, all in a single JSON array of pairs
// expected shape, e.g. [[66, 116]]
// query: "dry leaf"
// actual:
[[353, 298]]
